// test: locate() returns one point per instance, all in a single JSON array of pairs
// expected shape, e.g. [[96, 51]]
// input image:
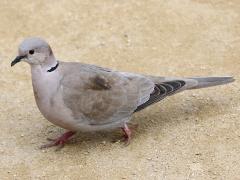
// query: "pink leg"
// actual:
[[127, 133], [60, 141]]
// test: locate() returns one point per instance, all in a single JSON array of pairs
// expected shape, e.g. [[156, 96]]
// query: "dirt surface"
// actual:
[[193, 135]]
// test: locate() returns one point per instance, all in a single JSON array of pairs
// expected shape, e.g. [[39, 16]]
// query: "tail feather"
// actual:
[[165, 86], [203, 82]]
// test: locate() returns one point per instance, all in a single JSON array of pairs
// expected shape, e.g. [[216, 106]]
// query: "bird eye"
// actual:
[[31, 51]]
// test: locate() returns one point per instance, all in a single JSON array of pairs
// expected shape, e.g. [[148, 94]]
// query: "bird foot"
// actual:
[[127, 134], [60, 141]]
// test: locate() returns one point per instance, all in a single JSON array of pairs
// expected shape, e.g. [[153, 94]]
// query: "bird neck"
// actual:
[[44, 83], [53, 68], [46, 70], [50, 65]]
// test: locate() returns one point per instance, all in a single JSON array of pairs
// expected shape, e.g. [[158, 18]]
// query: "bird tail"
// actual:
[[203, 82], [167, 86]]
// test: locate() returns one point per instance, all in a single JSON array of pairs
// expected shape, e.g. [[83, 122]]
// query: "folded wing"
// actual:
[[102, 97]]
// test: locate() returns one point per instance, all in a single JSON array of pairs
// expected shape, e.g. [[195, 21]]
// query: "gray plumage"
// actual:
[[84, 97]]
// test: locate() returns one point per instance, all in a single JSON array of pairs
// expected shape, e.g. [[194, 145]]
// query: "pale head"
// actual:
[[34, 51]]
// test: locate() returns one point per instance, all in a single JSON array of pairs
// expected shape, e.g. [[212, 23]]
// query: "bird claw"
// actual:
[[60, 142], [126, 140]]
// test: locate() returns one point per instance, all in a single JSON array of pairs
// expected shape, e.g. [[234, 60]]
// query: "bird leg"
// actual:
[[60, 141], [127, 133]]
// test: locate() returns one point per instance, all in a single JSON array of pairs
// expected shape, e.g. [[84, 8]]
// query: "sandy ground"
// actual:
[[193, 135]]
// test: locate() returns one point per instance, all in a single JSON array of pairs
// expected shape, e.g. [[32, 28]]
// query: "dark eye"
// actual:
[[31, 51]]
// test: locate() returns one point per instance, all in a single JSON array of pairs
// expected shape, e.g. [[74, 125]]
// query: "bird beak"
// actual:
[[17, 60]]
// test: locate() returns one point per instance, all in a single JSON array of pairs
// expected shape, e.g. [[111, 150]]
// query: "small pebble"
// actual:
[[118, 141], [86, 153]]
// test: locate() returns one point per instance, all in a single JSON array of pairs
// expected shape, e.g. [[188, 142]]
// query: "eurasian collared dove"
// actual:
[[83, 97]]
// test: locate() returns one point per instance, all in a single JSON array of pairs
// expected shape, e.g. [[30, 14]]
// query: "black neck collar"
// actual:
[[53, 68]]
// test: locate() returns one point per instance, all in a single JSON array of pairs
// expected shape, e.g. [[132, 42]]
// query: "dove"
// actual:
[[83, 97]]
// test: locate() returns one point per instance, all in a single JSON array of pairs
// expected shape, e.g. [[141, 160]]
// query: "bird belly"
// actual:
[[55, 112]]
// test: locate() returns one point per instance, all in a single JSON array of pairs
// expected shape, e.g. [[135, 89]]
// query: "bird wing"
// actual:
[[101, 95], [161, 91], [166, 86]]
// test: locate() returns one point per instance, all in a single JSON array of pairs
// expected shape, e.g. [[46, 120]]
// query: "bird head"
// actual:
[[33, 51]]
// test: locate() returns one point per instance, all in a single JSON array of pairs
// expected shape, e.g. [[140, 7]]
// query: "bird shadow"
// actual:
[[156, 117]]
